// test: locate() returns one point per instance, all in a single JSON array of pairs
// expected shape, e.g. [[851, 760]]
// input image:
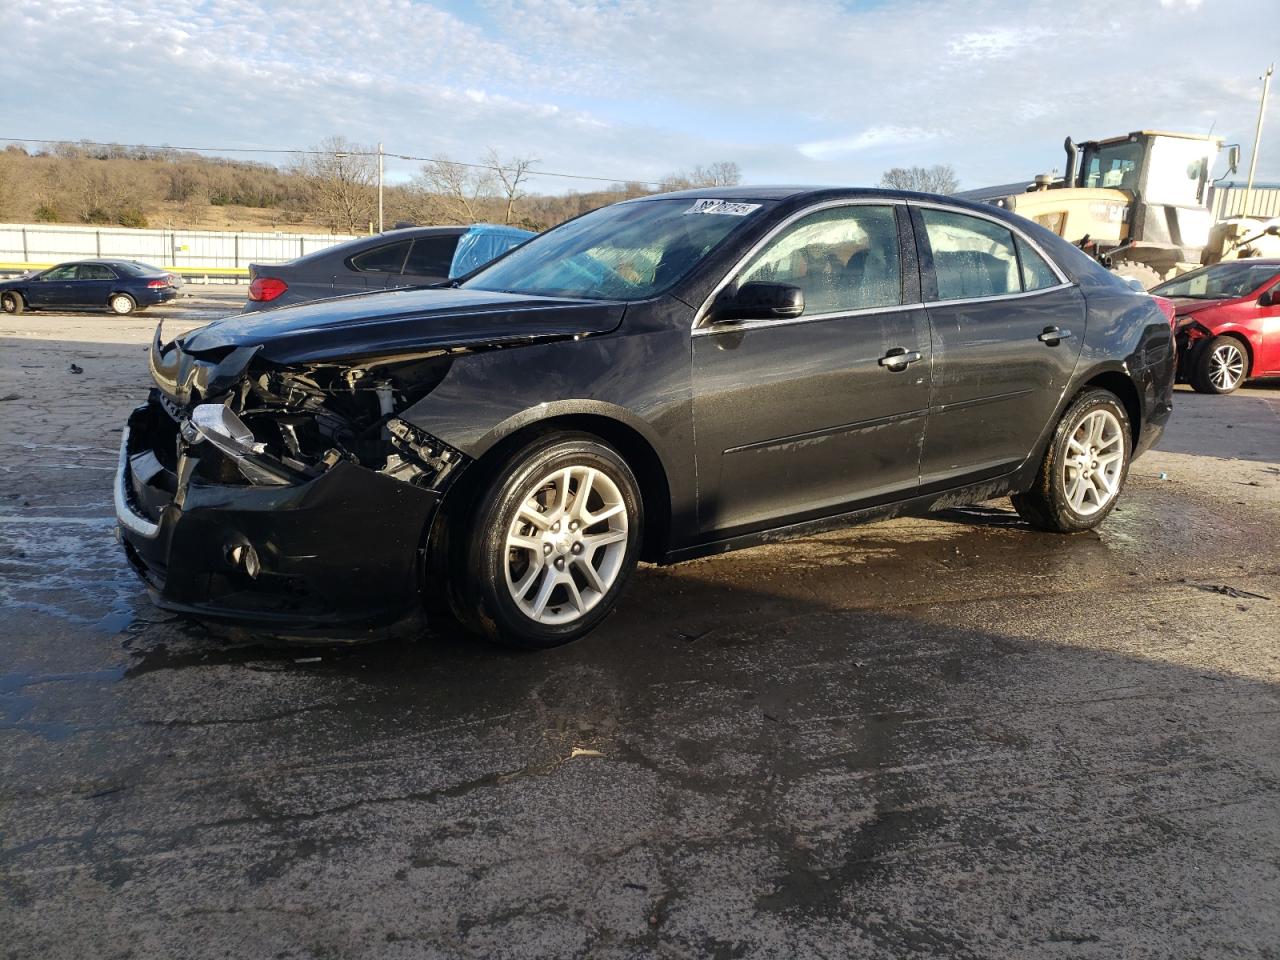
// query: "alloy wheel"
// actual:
[[1094, 462], [1226, 367], [566, 544]]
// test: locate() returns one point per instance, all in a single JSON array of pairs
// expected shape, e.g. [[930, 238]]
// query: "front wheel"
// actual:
[[122, 304], [12, 303], [1219, 366], [554, 539], [1084, 468]]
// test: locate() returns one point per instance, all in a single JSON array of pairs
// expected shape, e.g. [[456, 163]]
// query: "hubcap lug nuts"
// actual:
[[546, 548], [577, 548], [555, 527], [559, 563]]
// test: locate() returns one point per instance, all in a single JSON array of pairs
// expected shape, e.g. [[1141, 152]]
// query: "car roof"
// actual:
[[791, 192]]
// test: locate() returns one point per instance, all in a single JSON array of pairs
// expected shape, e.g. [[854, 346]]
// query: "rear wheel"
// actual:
[[1219, 366], [551, 543], [1084, 468], [122, 304], [12, 303]]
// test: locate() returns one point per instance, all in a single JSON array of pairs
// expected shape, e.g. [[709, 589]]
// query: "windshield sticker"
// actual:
[[728, 208]]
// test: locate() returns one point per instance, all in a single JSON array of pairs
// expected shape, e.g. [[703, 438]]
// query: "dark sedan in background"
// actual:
[[409, 257], [121, 286], [659, 379]]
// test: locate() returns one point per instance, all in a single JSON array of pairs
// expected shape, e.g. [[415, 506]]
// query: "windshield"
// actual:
[[628, 251], [1222, 281], [1114, 166]]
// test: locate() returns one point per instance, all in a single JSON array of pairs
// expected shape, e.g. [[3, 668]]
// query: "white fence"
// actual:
[[1228, 201], [196, 249]]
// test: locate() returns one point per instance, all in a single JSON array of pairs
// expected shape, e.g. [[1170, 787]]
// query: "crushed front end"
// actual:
[[280, 495]]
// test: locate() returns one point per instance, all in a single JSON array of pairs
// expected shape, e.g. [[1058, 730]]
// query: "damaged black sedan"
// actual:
[[656, 380]]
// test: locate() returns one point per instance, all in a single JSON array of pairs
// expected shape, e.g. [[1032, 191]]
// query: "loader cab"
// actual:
[[1156, 168], [1165, 180]]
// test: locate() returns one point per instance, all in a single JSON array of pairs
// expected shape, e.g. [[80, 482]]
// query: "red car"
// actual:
[[1228, 324]]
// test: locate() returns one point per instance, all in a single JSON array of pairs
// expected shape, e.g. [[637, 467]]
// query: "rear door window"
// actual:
[[431, 256], [95, 271], [971, 257], [385, 259]]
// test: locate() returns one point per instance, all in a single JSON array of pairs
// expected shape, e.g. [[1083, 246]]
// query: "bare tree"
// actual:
[[940, 178], [722, 173], [452, 191], [511, 174], [340, 176]]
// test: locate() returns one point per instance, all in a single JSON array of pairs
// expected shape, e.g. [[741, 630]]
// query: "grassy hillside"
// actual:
[[135, 187]]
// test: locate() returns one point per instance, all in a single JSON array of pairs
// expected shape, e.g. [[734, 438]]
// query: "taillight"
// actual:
[[157, 284], [267, 288], [1168, 308]]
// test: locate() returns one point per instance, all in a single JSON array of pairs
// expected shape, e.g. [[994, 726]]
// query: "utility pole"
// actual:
[[1257, 136], [380, 180]]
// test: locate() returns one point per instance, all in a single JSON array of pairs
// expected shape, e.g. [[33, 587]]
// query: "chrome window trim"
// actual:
[[702, 328], [928, 304], [700, 317], [1017, 231], [717, 328]]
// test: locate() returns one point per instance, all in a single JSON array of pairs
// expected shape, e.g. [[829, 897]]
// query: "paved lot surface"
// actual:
[[950, 737]]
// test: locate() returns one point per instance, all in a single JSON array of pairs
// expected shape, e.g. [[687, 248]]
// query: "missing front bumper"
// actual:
[[339, 550]]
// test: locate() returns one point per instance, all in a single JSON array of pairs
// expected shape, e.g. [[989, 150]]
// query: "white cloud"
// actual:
[[865, 140], [794, 90]]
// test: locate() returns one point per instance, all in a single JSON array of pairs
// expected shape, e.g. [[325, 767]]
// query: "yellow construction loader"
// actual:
[[1140, 203]]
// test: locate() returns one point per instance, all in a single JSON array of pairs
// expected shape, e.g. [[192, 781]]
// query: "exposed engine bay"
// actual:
[[275, 424]]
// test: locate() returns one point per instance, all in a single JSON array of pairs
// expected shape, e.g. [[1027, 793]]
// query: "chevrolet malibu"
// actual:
[[657, 380]]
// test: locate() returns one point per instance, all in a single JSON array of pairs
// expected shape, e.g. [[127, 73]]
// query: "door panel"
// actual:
[[1269, 330], [996, 383], [801, 418], [56, 287], [93, 285]]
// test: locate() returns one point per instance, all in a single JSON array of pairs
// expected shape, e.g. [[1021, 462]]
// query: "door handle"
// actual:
[[898, 358], [1054, 335]]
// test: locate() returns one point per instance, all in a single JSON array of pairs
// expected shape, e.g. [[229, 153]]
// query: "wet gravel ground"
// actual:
[[950, 737]]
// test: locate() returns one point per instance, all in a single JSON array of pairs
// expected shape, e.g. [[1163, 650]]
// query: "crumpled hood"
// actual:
[[1186, 306], [402, 320]]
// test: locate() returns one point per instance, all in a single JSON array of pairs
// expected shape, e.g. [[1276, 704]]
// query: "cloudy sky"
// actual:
[[802, 91]]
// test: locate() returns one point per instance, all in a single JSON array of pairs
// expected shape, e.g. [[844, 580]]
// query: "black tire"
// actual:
[[1219, 366], [1132, 270], [1047, 505], [481, 592], [121, 304], [12, 303]]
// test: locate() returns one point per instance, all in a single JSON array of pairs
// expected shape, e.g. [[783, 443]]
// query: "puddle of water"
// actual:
[[16, 705]]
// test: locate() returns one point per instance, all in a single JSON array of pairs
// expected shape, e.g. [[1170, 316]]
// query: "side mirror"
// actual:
[[1233, 158], [1269, 298], [759, 301]]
